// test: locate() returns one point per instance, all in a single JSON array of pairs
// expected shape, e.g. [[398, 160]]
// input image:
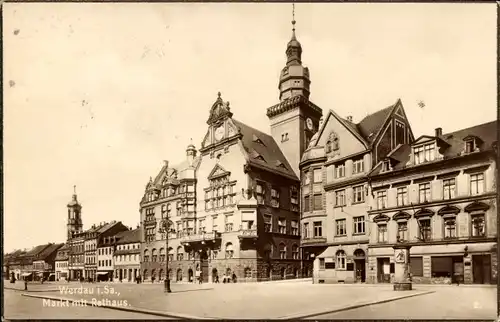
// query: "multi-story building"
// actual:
[[336, 192], [13, 263], [76, 260], [235, 207], [438, 195], [61, 263], [93, 237], [127, 255], [44, 261]]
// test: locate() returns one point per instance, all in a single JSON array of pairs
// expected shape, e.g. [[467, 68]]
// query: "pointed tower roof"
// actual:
[[293, 42], [74, 200]]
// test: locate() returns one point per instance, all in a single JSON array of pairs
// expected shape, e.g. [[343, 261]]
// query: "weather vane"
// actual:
[[293, 16]]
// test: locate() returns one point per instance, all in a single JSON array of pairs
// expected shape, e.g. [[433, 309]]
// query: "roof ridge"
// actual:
[[470, 127], [251, 127]]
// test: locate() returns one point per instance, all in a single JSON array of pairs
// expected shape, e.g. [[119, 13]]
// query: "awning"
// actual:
[[102, 273], [26, 274], [51, 274]]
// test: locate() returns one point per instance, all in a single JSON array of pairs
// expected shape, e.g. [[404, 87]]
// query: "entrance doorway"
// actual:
[[283, 273], [384, 270], [360, 265], [481, 269], [190, 275]]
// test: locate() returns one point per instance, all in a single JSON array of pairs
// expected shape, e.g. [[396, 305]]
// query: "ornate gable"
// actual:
[[219, 111], [217, 172]]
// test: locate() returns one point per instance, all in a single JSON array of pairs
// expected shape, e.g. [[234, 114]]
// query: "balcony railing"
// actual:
[[200, 237], [246, 232], [313, 241]]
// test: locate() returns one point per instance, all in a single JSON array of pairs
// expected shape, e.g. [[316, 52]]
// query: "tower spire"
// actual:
[[293, 20]]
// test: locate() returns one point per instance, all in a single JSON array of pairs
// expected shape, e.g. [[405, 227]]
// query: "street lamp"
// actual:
[[166, 227]]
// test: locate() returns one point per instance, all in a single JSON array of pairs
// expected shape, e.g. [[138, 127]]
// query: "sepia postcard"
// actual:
[[249, 161]]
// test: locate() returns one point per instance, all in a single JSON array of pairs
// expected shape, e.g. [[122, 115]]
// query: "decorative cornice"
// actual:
[[291, 104]]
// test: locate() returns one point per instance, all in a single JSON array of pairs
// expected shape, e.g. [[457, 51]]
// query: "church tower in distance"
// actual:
[[74, 215]]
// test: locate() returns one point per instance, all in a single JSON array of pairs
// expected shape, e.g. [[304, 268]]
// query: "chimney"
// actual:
[[439, 132], [349, 118], [137, 226]]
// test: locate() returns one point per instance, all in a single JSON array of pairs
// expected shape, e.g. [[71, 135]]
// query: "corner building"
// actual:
[[234, 204], [336, 193], [438, 195]]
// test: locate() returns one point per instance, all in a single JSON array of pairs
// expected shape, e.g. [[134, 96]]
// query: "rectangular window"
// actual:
[[359, 224], [318, 229], [305, 233], [450, 228], [402, 231], [318, 175], [340, 198], [260, 193], [340, 170], [449, 188], [382, 199], [425, 229], [358, 166], [275, 198], [307, 179], [282, 225], [469, 146], [402, 196], [318, 202], [358, 195], [478, 225], [268, 224], [341, 227], [476, 184], [321, 263], [424, 192], [229, 223], [382, 233], [424, 153], [295, 227], [306, 204], [294, 197]]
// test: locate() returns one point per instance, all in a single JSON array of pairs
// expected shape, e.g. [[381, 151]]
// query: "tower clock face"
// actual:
[[219, 133], [309, 124]]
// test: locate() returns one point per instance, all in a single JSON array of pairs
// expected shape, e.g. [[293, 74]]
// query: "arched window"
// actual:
[[154, 255], [161, 275], [282, 249], [179, 275], [295, 251], [359, 253], [145, 274], [153, 273], [146, 255], [328, 146], [162, 254], [248, 272], [170, 254], [340, 259], [229, 250], [180, 253]]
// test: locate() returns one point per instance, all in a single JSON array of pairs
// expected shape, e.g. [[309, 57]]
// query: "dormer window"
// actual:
[[386, 165], [470, 146], [424, 153]]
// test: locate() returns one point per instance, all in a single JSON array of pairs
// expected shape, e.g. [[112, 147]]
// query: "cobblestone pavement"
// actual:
[[17, 306], [448, 302]]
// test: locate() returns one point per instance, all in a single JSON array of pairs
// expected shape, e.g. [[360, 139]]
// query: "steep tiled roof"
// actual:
[[50, 249], [129, 236], [62, 253], [264, 152], [36, 250], [454, 146], [371, 124]]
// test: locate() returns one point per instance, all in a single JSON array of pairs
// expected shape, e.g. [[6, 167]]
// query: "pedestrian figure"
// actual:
[[152, 279], [25, 284], [201, 278], [234, 278]]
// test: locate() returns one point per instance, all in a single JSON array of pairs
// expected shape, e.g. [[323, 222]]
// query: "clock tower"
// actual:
[[295, 119], [74, 216]]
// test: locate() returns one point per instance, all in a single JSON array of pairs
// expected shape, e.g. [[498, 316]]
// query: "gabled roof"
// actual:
[[371, 125], [36, 250], [129, 236], [264, 155], [49, 250]]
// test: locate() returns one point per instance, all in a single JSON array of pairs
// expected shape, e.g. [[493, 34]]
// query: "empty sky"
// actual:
[[98, 95]]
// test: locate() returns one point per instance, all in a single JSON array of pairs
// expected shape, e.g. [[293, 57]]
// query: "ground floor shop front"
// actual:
[[220, 270], [341, 264], [465, 263], [127, 273]]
